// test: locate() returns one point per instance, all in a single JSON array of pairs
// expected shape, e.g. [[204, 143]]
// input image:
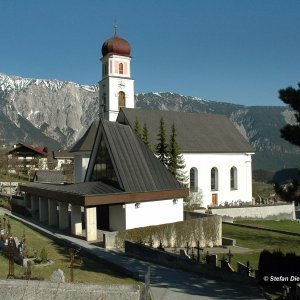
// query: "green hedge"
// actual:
[[207, 230]]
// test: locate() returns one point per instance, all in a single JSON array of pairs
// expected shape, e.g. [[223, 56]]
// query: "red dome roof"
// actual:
[[116, 45]]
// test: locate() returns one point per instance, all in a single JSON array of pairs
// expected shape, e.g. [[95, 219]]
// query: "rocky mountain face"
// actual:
[[51, 112], [56, 113]]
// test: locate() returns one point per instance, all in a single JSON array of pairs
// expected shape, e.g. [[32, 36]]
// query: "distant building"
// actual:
[[27, 158]]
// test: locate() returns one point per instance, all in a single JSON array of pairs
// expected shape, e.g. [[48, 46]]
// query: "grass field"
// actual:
[[285, 225], [87, 271], [259, 240]]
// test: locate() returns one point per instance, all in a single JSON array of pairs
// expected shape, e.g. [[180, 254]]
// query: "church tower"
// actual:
[[116, 89]]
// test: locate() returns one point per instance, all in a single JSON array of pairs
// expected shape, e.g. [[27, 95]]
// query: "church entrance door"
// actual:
[[214, 199]]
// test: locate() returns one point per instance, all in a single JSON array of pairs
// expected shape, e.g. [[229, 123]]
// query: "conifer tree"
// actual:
[[291, 96], [136, 127], [145, 136], [175, 163], [291, 133], [161, 149]]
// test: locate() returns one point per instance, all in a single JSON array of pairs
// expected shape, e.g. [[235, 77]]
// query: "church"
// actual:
[[218, 158], [119, 182]]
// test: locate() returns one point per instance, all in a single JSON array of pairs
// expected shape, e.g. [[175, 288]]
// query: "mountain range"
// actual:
[[56, 114]]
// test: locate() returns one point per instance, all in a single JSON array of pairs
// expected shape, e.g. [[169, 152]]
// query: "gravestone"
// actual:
[[213, 260], [298, 289], [183, 254], [225, 265], [243, 269], [57, 276]]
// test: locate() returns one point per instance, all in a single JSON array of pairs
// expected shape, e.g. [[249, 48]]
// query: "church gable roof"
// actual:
[[85, 143], [135, 166], [196, 132]]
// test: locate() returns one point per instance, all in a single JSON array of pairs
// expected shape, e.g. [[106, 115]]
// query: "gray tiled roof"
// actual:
[[137, 168], [49, 176], [196, 132], [63, 154]]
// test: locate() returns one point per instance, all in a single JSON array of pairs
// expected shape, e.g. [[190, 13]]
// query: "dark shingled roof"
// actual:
[[137, 169], [196, 132], [82, 188], [141, 176], [85, 144]]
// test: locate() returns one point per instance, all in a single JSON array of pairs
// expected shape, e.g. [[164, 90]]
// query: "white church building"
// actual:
[[218, 158], [119, 183]]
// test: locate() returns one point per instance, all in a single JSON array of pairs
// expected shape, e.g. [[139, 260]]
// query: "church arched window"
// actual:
[[233, 178], [121, 68], [193, 179], [214, 179], [121, 100]]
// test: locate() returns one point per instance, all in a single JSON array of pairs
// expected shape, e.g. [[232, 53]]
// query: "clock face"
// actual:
[[121, 84]]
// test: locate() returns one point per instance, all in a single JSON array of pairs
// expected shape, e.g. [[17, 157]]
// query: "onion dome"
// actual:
[[116, 45]]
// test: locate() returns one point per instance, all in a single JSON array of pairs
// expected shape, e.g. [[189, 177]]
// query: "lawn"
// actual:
[[86, 271], [285, 225], [258, 240]]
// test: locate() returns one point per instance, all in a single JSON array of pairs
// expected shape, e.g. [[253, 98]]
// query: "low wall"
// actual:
[[262, 212], [171, 260], [36, 290], [18, 200]]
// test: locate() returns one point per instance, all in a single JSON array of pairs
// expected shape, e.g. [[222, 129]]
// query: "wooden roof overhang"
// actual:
[[102, 199]]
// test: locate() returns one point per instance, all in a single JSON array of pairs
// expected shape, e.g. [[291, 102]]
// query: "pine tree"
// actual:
[[145, 136], [291, 96], [290, 133], [175, 163], [136, 127], [161, 148]]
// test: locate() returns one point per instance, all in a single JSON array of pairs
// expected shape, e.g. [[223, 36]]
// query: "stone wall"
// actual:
[[262, 212], [36, 290]]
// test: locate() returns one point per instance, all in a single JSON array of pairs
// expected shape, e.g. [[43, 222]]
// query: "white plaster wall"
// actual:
[[110, 85], [153, 213], [117, 217], [223, 162], [81, 162], [113, 92]]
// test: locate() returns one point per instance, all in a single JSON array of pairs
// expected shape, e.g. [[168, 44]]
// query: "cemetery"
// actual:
[[27, 245], [190, 249]]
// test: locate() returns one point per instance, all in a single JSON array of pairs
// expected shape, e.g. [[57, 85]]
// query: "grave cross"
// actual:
[[73, 253], [229, 256], [11, 262], [199, 249]]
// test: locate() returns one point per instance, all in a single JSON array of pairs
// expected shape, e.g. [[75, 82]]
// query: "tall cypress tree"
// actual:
[[161, 149], [145, 136], [175, 163], [291, 96], [136, 127]]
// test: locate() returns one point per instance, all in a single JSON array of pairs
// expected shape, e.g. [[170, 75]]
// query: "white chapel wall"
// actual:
[[154, 213], [223, 162]]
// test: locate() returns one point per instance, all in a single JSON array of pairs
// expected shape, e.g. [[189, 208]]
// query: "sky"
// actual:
[[236, 51]]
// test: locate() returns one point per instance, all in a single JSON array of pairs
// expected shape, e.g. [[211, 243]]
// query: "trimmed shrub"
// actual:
[[207, 230]]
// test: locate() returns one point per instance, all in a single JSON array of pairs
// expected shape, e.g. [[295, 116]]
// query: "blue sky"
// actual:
[[239, 51]]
